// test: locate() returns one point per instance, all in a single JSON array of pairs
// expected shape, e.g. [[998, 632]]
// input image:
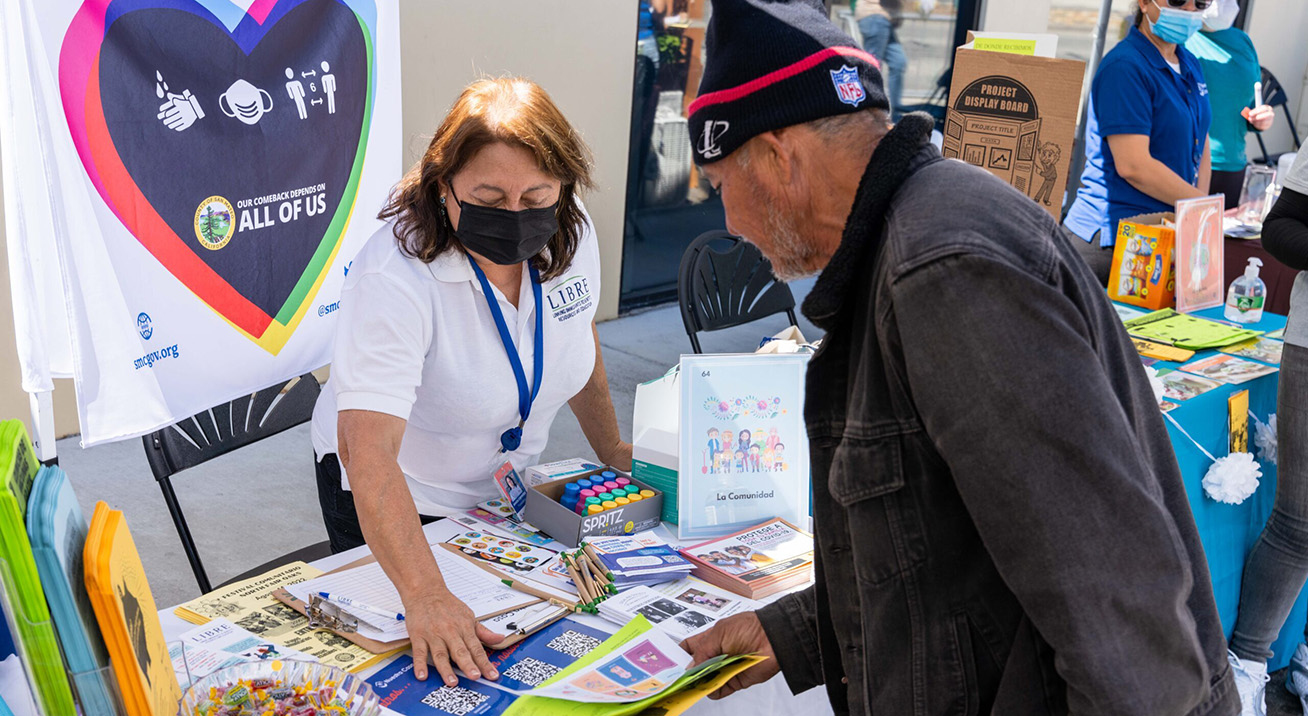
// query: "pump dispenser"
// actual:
[[1244, 300]]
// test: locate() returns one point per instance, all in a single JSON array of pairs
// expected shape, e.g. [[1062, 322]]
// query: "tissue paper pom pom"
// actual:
[[1156, 383], [1265, 439], [1232, 479]]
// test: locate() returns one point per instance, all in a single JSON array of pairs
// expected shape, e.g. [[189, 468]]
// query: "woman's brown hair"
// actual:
[[512, 111]]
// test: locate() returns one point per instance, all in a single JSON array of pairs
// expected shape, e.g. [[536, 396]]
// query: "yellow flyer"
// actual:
[[1238, 404], [251, 606]]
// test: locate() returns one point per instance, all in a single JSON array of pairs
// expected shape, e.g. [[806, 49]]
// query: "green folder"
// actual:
[[35, 633], [1186, 331]]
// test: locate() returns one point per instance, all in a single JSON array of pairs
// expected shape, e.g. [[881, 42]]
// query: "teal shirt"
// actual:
[[1230, 66]]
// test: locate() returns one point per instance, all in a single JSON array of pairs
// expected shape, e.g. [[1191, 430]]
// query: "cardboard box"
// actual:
[[576, 468], [1144, 263], [1014, 115], [546, 514]]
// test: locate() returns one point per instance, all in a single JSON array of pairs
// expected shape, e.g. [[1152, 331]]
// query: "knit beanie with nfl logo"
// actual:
[[775, 63]]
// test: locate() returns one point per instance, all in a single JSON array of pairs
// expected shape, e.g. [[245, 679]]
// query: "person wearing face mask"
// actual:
[[1230, 66], [465, 324], [1146, 139]]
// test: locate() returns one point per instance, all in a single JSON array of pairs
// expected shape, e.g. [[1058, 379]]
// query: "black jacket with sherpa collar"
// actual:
[[1001, 525]]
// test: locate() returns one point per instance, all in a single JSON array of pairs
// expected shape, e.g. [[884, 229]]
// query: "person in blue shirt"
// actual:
[[1230, 66], [1146, 140]]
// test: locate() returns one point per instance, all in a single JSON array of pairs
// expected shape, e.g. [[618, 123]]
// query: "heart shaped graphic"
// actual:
[[229, 144]]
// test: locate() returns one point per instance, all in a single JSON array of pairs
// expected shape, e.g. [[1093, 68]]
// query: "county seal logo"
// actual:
[[213, 222]]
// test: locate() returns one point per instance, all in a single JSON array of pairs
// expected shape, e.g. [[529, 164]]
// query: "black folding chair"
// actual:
[[218, 431], [1274, 95], [725, 281]]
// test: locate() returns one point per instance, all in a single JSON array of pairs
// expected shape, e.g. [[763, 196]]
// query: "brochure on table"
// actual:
[[574, 670], [743, 445], [220, 644], [1199, 253]]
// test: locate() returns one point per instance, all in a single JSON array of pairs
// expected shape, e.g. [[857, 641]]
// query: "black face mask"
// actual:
[[503, 236]]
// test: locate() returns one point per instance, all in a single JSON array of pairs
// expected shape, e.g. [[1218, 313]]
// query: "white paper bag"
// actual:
[[790, 340], [654, 438]]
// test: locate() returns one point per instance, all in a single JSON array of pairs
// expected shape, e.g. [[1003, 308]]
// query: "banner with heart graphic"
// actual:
[[206, 168]]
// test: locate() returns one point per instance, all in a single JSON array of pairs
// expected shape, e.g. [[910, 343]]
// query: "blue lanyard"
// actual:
[[512, 438]]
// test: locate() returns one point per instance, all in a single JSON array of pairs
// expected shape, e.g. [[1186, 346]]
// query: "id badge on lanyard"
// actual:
[[499, 467]]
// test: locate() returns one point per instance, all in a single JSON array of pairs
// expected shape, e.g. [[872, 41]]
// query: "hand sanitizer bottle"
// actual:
[[1244, 301]]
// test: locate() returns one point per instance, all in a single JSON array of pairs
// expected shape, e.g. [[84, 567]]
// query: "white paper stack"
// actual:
[[680, 609]]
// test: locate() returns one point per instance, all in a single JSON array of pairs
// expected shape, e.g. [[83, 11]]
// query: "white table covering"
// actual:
[[767, 699]]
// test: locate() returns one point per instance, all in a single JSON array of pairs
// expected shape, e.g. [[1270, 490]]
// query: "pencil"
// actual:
[[602, 576], [595, 588], [582, 592], [590, 552]]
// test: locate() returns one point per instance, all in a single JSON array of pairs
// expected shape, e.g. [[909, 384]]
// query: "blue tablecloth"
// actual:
[[1228, 532]]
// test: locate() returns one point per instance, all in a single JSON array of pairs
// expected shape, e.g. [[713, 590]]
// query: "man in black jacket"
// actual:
[[1000, 521]]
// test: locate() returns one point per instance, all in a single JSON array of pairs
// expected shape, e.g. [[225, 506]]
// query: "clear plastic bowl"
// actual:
[[361, 699]]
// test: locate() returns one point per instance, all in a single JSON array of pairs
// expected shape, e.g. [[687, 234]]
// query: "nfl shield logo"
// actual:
[[848, 87]]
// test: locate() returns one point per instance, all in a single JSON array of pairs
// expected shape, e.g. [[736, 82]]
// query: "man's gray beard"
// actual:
[[794, 257]]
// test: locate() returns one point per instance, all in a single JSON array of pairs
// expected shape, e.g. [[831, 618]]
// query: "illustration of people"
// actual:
[[727, 443], [329, 86], [773, 439], [714, 444], [769, 455], [745, 441], [1047, 159], [743, 554], [739, 464], [779, 457], [295, 89], [732, 565], [753, 458], [717, 463]]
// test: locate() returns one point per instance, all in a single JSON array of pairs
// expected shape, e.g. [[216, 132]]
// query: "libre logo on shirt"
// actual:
[[569, 297]]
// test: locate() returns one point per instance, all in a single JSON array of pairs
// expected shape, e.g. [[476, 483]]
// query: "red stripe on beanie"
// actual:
[[771, 78]]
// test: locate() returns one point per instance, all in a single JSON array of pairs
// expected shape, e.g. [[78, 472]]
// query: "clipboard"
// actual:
[[327, 616]]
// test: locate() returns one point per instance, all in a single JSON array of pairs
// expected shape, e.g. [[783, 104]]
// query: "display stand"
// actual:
[[80, 682]]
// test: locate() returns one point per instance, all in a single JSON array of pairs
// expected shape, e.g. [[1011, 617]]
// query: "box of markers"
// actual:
[[552, 507]]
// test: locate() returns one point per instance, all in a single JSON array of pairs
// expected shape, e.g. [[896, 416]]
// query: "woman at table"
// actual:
[[1277, 566], [1146, 137], [1230, 67], [465, 325]]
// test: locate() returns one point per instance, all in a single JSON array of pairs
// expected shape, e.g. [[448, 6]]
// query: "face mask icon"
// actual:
[[245, 102]]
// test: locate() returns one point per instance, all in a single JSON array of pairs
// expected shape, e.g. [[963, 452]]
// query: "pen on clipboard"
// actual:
[[347, 602]]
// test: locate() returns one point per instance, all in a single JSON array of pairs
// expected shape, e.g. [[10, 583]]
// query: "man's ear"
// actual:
[[774, 151]]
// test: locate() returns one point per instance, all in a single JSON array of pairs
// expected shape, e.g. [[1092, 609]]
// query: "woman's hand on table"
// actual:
[[739, 634], [1261, 117], [445, 633]]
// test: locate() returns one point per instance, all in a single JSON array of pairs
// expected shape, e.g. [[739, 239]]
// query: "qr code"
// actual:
[[574, 644], [454, 700], [531, 672]]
